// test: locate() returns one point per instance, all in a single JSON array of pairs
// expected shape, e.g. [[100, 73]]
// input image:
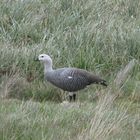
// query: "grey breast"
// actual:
[[69, 79]]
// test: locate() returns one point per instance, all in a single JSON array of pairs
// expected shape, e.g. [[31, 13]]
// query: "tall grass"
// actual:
[[101, 36], [97, 35]]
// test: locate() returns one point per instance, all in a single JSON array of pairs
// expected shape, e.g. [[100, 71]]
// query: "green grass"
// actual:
[[97, 35], [47, 120], [83, 121]]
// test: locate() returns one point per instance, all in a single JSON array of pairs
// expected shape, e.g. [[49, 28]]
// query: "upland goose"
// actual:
[[68, 79]]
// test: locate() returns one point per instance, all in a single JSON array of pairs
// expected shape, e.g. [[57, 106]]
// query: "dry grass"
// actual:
[[107, 120], [12, 83]]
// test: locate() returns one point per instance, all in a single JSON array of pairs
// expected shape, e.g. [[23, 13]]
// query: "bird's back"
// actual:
[[72, 79]]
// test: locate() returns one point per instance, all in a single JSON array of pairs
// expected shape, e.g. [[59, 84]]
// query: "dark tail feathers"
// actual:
[[103, 82]]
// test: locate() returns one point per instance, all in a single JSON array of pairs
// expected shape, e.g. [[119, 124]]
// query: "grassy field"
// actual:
[[97, 35]]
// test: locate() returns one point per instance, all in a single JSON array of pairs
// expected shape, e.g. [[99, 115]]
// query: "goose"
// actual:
[[67, 78]]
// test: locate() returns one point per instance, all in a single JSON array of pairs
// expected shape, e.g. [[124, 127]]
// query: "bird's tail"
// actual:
[[103, 82], [98, 80]]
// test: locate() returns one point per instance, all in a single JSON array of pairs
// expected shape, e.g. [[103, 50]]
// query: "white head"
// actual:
[[46, 59]]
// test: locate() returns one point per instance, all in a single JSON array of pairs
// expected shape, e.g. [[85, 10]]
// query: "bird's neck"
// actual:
[[47, 67]]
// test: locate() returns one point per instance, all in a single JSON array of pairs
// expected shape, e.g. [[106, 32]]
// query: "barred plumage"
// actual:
[[68, 79]]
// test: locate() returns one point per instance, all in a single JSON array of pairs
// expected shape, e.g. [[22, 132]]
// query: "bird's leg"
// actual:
[[70, 96], [74, 97]]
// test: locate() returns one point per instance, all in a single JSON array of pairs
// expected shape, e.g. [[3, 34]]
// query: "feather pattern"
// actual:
[[71, 79]]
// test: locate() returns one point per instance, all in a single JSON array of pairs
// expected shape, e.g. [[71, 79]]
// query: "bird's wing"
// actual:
[[74, 79], [82, 77]]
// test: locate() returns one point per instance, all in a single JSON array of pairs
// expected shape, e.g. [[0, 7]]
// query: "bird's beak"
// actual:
[[36, 59]]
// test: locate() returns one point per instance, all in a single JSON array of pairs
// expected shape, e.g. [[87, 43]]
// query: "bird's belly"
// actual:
[[67, 86], [71, 88]]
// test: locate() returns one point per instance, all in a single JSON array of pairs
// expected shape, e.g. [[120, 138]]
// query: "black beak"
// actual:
[[36, 59]]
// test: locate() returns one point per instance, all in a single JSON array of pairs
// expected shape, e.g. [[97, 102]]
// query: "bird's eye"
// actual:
[[42, 56]]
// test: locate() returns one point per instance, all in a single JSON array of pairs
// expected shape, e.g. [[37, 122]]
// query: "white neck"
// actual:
[[47, 67]]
